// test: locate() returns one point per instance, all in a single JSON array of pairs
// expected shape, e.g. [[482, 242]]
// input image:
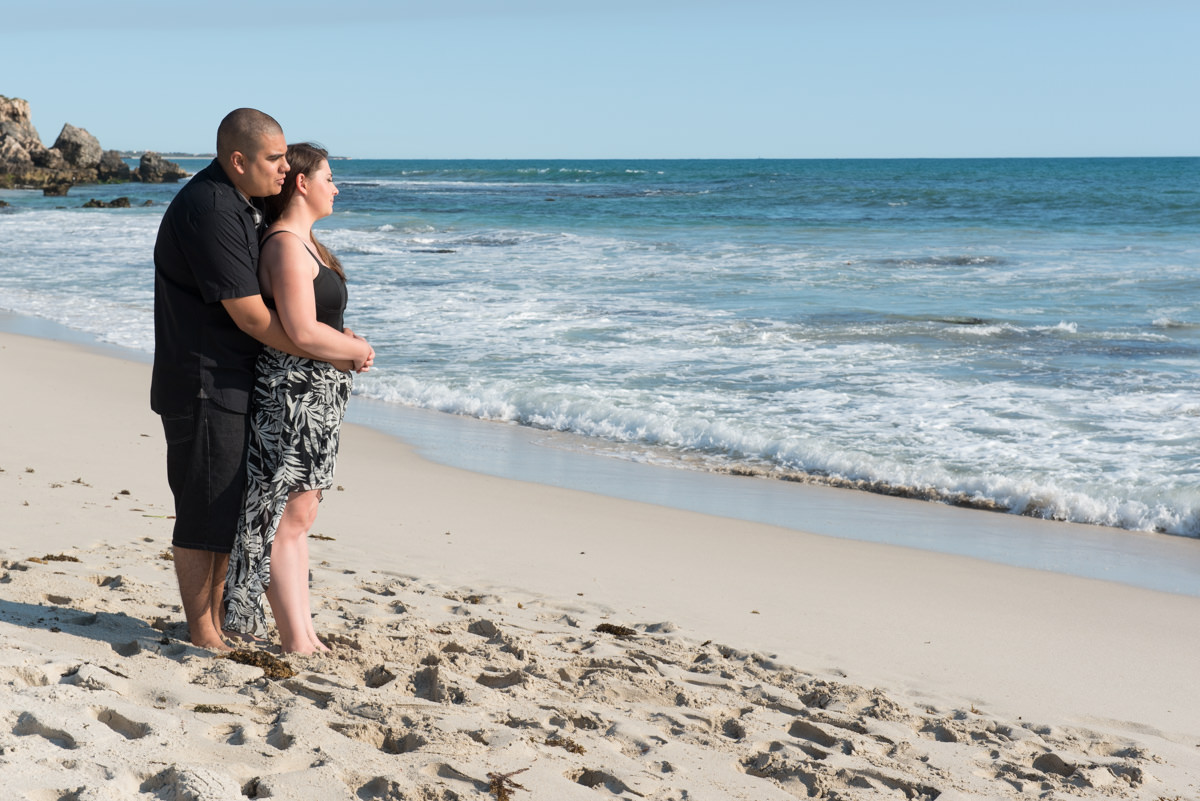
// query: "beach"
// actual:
[[514, 639]]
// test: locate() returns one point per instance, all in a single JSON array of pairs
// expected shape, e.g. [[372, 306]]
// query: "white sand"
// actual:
[[766, 663]]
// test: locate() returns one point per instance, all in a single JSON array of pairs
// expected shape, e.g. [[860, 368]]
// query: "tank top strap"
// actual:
[[263, 241]]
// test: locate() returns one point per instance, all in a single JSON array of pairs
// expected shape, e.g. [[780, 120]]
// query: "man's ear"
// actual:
[[237, 160]]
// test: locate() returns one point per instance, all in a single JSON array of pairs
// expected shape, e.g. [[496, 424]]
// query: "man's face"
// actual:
[[261, 173]]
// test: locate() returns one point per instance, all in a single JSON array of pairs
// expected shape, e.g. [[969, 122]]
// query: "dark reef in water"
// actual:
[[75, 158]]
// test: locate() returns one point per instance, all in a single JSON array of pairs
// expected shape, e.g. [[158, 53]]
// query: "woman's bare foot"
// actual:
[[306, 647], [300, 647]]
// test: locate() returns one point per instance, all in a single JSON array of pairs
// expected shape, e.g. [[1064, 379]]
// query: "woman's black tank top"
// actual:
[[329, 290]]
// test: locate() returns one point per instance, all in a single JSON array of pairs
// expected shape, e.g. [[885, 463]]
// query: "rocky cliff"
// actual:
[[75, 158]]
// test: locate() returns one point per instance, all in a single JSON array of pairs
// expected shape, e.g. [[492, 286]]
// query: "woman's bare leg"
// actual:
[[288, 592], [310, 631]]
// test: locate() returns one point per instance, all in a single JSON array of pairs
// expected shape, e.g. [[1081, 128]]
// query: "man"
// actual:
[[210, 322]]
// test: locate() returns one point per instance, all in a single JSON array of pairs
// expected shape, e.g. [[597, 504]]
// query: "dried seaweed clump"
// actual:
[[212, 709], [273, 667], [566, 743], [53, 557], [501, 784], [616, 631]]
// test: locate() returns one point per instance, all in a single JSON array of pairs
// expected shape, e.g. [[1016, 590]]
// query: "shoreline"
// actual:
[[763, 662], [1150, 560]]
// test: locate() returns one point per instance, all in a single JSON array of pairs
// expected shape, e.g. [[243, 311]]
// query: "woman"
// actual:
[[297, 411]]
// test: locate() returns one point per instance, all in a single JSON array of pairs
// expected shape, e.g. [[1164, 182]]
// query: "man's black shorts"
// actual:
[[206, 468]]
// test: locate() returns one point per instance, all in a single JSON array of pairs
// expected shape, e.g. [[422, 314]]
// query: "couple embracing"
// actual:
[[252, 370]]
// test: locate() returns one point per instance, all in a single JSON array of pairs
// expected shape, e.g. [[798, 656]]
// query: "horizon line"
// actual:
[[182, 154]]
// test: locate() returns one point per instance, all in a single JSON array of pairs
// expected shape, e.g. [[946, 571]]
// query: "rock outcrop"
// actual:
[[17, 134], [113, 169], [75, 158], [115, 203], [78, 147], [154, 169]]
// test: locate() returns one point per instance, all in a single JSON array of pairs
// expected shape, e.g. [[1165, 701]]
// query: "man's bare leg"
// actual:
[[199, 580], [220, 568]]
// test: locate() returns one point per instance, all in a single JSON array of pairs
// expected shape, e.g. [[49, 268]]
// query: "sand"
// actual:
[[507, 639]]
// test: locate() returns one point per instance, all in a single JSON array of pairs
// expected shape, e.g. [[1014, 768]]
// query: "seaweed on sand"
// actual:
[[616, 631], [502, 785], [273, 667]]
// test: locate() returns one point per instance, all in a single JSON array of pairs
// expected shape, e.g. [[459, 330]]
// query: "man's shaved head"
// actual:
[[243, 130]]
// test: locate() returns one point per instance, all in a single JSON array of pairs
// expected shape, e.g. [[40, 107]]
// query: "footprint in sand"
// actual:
[[383, 789], [484, 628], [443, 770], [500, 680], [132, 648], [24, 676], [129, 729], [378, 676], [805, 730], [231, 734], [593, 779], [791, 774], [164, 647], [384, 738], [280, 739], [734, 730], [195, 782], [315, 688], [428, 684], [29, 725]]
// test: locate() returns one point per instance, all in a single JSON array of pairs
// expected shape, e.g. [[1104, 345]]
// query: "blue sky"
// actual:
[[622, 79]]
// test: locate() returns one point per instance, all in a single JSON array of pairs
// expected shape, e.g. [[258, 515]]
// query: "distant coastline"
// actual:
[[137, 154]]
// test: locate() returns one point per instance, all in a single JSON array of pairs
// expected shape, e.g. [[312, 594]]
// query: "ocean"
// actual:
[[1021, 335]]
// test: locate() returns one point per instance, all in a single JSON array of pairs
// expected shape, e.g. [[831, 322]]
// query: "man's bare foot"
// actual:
[[211, 645]]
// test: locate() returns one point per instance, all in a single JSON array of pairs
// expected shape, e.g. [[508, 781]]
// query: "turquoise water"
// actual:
[[1013, 334]]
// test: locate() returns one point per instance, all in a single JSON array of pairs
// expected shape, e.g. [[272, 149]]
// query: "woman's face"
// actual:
[[321, 189]]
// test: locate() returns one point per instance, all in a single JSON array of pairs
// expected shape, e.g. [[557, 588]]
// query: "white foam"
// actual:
[[993, 375]]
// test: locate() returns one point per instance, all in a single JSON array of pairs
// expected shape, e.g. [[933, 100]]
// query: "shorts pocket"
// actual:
[[179, 427]]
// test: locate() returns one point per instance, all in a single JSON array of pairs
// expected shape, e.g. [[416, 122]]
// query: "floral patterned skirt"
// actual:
[[296, 415]]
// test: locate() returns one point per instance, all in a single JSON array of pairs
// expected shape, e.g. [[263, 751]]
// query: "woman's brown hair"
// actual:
[[303, 159]]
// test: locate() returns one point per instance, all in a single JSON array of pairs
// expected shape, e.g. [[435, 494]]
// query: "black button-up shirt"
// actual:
[[206, 252]]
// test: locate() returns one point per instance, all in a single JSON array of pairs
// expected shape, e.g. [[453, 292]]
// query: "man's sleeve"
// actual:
[[223, 256]]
